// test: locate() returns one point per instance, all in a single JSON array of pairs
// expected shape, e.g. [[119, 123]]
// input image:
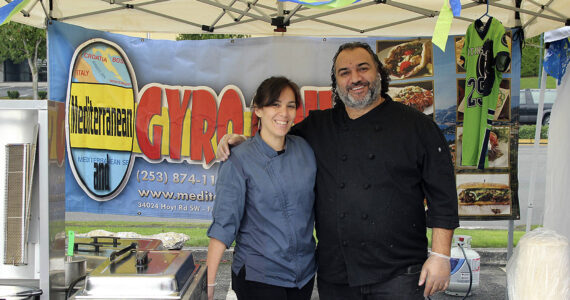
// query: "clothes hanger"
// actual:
[[486, 12], [479, 21]]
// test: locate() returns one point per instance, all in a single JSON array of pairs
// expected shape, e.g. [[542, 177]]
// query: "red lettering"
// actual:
[[149, 105], [206, 118], [310, 101], [299, 116], [202, 125], [81, 73], [231, 110], [95, 57], [325, 99], [176, 113], [254, 124]]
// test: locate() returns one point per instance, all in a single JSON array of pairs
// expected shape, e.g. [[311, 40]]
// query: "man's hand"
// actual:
[[437, 270], [224, 146]]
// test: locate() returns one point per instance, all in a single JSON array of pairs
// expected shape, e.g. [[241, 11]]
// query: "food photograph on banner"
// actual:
[[405, 59], [497, 148], [486, 194], [417, 94]]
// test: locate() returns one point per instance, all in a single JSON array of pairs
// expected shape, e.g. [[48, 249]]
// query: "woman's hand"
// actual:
[[211, 288], [215, 251]]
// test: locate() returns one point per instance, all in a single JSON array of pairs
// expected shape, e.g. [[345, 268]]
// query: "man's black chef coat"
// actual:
[[373, 174]]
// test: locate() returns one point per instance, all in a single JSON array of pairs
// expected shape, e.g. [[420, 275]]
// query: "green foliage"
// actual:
[[13, 94], [209, 36], [42, 94], [527, 132], [530, 59], [19, 42]]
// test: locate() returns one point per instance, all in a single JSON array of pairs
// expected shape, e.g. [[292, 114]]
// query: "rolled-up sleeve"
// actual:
[[439, 180], [229, 204]]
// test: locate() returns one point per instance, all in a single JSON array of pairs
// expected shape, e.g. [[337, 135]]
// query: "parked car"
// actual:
[[529, 105]]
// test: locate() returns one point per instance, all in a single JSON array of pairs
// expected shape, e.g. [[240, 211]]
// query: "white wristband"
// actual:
[[440, 255], [212, 284]]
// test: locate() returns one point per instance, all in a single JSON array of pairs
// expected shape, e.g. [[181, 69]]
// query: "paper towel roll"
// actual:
[[540, 267]]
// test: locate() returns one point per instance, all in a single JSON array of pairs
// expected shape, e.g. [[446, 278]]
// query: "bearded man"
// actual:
[[377, 160]]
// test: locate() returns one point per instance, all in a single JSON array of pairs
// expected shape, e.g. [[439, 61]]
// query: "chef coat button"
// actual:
[[343, 157], [364, 216], [344, 243], [342, 215], [371, 156], [341, 185], [366, 186], [363, 244], [377, 128]]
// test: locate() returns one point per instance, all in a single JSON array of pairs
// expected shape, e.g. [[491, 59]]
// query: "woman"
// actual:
[[264, 201]]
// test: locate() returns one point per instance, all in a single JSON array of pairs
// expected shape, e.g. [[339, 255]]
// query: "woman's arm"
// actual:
[[215, 251]]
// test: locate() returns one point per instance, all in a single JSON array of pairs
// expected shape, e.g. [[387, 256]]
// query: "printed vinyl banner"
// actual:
[[144, 117]]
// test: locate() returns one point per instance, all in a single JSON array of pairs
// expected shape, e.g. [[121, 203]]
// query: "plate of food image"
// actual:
[[408, 59], [414, 96]]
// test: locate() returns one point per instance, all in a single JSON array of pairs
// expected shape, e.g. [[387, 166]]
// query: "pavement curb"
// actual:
[[531, 141], [492, 256]]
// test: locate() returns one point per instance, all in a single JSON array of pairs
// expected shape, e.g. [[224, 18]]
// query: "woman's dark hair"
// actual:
[[270, 89], [381, 70], [268, 93]]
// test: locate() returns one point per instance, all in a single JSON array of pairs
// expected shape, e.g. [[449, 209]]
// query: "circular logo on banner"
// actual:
[[99, 117]]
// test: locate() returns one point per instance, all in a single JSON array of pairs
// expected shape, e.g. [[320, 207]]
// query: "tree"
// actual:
[[208, 36], [20, 42], [530, 59]]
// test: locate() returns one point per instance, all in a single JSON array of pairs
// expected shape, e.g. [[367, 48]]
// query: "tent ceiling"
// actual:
[[255, 17]]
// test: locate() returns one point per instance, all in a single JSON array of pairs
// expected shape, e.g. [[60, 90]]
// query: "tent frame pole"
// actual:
[[535, 149]]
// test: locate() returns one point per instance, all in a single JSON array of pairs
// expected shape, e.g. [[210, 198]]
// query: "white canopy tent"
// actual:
[[271, 17], [263, 17]]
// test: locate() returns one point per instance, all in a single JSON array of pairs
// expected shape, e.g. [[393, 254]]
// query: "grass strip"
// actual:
[[532, 83], [480, 238]]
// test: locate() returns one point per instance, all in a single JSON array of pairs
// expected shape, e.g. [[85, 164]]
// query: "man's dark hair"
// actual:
[[379, 66]]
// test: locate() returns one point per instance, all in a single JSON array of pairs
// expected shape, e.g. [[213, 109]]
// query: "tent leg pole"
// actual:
[[509, 251], [511, 239], [536, 146]]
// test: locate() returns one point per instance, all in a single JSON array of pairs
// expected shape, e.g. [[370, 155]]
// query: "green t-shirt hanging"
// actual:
[[483, 44]]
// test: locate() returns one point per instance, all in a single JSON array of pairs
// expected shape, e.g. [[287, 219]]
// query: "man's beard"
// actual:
[[374, 90]]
